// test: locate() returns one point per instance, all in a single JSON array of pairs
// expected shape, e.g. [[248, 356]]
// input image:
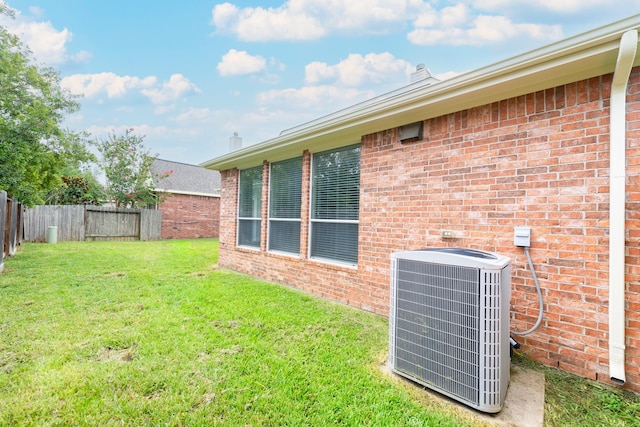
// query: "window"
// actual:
[[249, 207], [335, 205], [284, 206]]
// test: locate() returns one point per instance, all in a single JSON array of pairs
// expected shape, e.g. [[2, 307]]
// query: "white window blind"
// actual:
[[335, 205], [249, 207], [285, 195]]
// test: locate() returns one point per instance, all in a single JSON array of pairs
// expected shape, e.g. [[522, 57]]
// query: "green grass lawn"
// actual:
[[152, 333]]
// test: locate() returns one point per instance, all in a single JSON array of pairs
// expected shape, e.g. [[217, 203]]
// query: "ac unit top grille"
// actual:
[[455, 256]]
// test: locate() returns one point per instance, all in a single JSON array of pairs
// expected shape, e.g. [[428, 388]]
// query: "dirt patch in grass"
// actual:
[[7, 362], [114, 274], [107, 354], [236, 349]]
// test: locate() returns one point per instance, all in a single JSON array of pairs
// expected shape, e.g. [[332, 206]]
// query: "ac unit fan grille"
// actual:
[[437, 326]]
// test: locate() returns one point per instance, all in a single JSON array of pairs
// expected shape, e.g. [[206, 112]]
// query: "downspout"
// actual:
[[617, 209]]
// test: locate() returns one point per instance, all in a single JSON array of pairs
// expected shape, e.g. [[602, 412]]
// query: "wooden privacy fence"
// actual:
[[11, 226], [80, 223]]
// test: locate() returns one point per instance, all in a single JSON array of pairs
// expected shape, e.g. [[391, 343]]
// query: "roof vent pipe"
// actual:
[[617, 209]]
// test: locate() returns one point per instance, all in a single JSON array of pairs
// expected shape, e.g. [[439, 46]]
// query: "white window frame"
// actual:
[[270, 218], [239, 218], [326, 221]]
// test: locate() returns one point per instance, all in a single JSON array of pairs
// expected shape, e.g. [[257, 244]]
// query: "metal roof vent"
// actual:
[[421, 73]]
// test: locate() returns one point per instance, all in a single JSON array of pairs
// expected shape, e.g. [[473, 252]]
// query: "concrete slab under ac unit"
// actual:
[[524, 402]]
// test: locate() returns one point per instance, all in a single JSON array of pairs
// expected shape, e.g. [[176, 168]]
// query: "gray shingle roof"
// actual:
[[186, 178]]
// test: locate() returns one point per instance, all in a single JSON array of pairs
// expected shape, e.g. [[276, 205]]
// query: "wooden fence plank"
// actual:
[[150, 224]]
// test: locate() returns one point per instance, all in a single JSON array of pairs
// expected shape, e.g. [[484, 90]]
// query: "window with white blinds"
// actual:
[[249, 207], [335, 205], [285, 194]]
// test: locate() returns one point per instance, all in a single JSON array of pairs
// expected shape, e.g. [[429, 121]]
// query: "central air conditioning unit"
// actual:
[[449, 323]]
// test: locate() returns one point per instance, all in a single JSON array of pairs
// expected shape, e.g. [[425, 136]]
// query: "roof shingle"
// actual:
[[185, 178]]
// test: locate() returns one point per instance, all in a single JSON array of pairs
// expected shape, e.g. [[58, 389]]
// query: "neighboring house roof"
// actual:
[[574, 59], [185, 179]]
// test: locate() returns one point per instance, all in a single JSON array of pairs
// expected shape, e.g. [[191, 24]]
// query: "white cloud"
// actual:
[[94, 85], [47, 44], [148, 132], [177, 87], [311, 19], [357, 70], [235, 63], [36, 11], [458, 25], [225, 16], [560, 6], [454, 23], [195, 115], [259, 24], [327, 98], [164, 109]]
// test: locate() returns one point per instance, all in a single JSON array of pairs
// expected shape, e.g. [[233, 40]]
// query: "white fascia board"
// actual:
[[188, 193], [577, 58]]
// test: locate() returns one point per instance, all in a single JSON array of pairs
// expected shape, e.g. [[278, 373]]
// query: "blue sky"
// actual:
[[189, 74]]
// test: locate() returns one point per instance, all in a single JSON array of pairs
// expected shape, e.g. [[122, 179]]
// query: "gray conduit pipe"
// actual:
[[617, 198]]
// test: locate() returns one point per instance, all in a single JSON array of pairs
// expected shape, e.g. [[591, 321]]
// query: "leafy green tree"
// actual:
[[126, 164], [77, 190], [33, 145], [78, 184]]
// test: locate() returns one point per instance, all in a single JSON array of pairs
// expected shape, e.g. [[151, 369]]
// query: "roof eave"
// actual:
[[187, 193], [578, 58]]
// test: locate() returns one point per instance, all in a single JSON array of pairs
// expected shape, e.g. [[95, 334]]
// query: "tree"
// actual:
[[78, 184], [77, 190], [126, 164], [33, 145]]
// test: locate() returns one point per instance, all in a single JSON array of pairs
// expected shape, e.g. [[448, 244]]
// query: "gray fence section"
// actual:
[[151, 224], [11, 226], [68, 219], [80, 223]]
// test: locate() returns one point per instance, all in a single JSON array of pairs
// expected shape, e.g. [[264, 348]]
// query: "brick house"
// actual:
[[547, 139], [191, 206]]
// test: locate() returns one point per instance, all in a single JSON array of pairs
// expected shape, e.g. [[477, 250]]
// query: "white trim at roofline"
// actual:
[[577, 58], [188, 193]]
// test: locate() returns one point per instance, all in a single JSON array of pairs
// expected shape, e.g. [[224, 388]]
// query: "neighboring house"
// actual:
[[191, 200], [546, 139]]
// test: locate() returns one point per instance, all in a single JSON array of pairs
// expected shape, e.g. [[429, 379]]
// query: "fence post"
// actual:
[[3, 225], [20, 236], [12, 216]]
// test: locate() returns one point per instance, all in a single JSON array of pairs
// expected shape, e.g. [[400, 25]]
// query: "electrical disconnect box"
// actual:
[[522, 236]]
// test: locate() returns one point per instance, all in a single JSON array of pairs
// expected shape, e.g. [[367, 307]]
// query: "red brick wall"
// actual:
[[540, 160], [186, 216]]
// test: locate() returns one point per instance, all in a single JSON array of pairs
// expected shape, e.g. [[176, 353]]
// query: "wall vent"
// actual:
[[449, 323], [412, 132]]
